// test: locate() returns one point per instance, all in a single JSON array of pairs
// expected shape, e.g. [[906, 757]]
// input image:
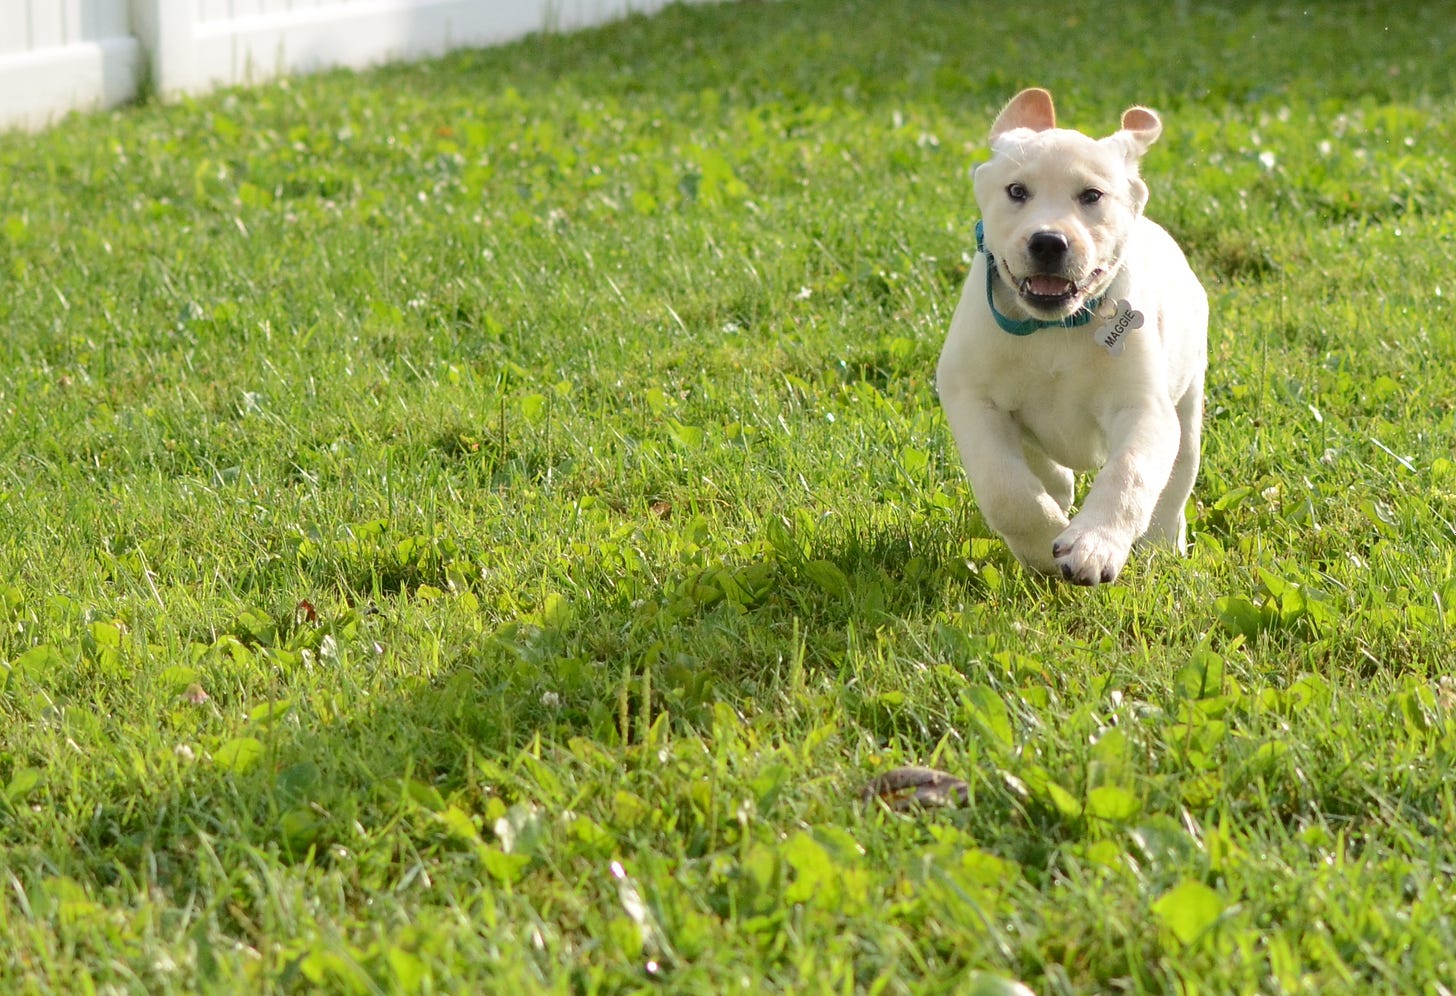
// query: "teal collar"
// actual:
[[1026, 326]]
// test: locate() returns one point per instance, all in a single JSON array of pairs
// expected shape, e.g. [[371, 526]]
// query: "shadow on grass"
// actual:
[[353, 766]]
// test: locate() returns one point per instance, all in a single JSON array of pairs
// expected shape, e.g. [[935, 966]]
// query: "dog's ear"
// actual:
[[1031, 108], [1140, 129]]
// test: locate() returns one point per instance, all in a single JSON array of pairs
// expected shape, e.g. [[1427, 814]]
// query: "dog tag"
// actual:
[[1111, 333]]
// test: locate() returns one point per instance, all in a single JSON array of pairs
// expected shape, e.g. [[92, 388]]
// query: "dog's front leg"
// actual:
[[1120, 503], [1013, 499]]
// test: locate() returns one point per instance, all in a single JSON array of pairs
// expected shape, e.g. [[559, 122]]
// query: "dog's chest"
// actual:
[[1069, 433], [1063, 403]]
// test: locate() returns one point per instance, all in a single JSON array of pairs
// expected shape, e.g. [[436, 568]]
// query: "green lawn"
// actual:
[[477, 526]]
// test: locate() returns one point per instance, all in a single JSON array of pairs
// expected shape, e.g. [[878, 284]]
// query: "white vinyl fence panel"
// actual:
[[59, 55]]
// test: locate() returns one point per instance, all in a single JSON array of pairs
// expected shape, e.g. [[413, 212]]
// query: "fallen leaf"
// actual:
[[912, 786]]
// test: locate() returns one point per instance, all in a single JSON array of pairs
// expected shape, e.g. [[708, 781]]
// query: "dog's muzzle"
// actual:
[[1058, 297], [1047, 250], [1048, 288]]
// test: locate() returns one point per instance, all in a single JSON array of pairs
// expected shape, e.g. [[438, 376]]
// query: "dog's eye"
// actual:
[[1090, 196], [1017, 192]]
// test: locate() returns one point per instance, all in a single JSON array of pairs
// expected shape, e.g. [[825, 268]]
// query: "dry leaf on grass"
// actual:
[[912, 786]]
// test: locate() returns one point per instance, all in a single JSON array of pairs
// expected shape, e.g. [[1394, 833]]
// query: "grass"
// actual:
[[479, 524]]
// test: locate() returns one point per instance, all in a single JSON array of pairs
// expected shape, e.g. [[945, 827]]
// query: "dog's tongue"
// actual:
[[1045, 285]]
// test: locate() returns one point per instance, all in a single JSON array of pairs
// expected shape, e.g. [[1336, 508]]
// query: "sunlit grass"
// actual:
[[481, 523]]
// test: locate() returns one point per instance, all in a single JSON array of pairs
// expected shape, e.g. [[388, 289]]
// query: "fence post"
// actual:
[[166, 29]]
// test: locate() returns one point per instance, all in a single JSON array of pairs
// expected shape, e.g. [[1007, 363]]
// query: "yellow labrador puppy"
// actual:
[[1079, 344]]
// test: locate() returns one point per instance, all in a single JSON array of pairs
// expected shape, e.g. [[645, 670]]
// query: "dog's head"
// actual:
[[1057, 206]]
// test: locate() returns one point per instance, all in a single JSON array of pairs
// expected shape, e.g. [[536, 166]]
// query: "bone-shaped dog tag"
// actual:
[[1111, 333]]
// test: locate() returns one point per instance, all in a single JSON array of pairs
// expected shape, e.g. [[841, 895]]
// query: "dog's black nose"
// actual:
[[1047, 249]]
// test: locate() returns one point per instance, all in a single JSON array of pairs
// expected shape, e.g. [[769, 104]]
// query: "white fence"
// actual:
[[58, 55]]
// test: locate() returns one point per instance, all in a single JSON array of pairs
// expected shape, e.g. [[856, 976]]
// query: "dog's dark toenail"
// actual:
[[1108, 574]]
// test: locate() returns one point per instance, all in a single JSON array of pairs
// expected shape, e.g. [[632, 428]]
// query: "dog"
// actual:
[[1079, 344]]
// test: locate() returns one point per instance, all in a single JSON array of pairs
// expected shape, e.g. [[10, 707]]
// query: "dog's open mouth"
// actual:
[[1045, 290], [1050, 292]]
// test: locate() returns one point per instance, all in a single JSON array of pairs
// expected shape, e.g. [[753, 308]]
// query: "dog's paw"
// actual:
[[1089, 556], [1033, 549]]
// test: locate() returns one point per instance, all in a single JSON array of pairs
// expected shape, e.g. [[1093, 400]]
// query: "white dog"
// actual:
[[1079, 343]]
